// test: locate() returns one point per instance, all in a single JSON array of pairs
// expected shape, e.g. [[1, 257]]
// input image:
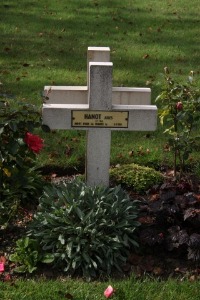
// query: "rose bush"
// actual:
[[179, 112], [20, 182]]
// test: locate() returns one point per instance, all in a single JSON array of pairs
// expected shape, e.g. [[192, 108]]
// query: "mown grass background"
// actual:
[[130, 289], [45, 43]]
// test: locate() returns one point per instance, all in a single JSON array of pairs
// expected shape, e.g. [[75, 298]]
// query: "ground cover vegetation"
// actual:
[[166, 219]]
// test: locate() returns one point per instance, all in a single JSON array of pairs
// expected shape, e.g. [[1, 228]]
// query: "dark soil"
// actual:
[[169, 235]]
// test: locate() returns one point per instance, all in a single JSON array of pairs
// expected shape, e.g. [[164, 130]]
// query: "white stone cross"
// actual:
[[99, 108]]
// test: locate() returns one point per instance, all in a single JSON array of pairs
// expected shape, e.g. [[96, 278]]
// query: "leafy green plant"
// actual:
[[180, 113], [139, 178], [28, 254], [89, 229], [19, 180]]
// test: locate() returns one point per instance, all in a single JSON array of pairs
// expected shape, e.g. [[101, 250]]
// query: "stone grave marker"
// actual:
[[99, 108]]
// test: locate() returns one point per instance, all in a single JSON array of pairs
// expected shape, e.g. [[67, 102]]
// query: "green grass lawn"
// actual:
[[130, 289], [46, 44]]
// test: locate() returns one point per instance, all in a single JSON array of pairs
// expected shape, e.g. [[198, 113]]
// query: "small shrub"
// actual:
[[28, 254], [139, 178], [179, 111], [19, 180], [89, 229]]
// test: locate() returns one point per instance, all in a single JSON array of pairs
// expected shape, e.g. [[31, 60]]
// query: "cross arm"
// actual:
[[140, 117], [79, 95]]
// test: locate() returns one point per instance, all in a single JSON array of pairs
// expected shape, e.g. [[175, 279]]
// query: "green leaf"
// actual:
[[13, 126], [14, 257], [86, 257], [79, 213], [94, 264], [31, 269], [20, 269], [61, 239], [47, 258], [69, 249]]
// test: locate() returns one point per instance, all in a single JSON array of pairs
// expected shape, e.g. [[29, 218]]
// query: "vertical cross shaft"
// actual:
[[99, 139]]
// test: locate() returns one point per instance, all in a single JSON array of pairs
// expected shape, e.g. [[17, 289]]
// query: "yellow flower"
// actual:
[[7, 172]]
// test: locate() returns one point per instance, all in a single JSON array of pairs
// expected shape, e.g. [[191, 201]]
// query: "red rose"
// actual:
[[34, 142], [179, 105]]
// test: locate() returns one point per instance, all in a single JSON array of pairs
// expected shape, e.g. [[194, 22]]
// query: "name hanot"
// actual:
[[92, 116]]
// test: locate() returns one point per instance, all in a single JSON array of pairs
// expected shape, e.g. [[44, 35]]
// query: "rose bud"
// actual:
[[179, 105]]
